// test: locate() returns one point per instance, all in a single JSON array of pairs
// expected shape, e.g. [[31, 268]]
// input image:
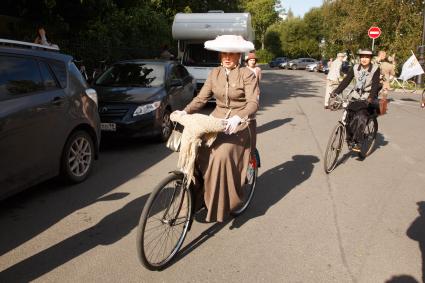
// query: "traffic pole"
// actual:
[[373, 44]]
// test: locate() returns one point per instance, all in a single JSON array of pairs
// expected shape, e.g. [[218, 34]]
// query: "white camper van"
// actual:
[[193, 29]]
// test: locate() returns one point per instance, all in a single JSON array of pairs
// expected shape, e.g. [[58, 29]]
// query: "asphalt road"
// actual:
[[361, 223]]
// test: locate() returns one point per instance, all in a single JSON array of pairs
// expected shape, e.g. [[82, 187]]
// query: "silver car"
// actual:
[[300, 63], [312, 67]]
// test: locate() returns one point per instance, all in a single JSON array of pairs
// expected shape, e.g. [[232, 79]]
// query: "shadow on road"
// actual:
[[30, 213], [402, 279], [272, 125], [416, 232], [284, 85], [275, 184], [271, 187], [107, 231], [379, 142]]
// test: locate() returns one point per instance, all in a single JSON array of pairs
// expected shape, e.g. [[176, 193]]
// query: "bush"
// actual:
[[264, 56]]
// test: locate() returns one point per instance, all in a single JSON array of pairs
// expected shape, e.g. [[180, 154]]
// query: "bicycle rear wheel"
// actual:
[[334, 147], [164, 222], [409, 86], [369, 138], [249, 186]]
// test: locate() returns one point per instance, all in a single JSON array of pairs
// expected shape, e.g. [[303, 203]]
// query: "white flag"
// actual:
[[411, 68]]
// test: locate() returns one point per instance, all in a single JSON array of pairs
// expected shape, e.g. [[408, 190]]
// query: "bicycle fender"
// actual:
[[177, 172]]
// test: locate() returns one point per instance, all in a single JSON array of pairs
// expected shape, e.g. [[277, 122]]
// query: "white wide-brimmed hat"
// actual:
[[229, 43]]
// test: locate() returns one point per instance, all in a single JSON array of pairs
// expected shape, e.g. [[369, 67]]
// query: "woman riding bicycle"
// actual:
[[367, 78], [223, 166]]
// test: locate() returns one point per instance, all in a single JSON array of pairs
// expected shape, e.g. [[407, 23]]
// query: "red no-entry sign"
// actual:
[[374, 32]]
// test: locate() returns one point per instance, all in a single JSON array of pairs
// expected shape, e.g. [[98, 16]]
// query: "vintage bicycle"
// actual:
[[407, 86], [339, 133], [169, 212]]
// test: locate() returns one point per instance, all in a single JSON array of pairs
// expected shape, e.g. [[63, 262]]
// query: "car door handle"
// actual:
[[57, 100]]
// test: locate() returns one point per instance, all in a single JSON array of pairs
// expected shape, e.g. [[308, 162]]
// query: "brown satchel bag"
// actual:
[[174, 140], [383, 105]]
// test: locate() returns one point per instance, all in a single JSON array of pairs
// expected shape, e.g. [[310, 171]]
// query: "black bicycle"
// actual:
[[339, 134], [169, 212]]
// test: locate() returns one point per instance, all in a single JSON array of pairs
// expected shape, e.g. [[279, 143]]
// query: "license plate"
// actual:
[[108, 127]]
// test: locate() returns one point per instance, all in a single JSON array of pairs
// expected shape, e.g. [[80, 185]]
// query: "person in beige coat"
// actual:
[[387, 72], [223, 166], [334, 77]]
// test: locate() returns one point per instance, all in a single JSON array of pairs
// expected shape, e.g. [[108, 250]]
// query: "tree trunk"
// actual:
[[262, 42]]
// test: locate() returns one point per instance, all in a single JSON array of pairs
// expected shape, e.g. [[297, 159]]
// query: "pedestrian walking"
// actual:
[[251, 62], [41, 38], [387, 73], [334, 76], [166, 54]]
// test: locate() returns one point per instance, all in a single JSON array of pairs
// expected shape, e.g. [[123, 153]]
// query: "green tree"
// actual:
[[263, 14]]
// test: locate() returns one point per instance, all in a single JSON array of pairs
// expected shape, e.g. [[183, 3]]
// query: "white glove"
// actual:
[[231, 124]]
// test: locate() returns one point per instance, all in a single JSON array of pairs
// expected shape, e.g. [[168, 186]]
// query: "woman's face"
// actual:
[[230, 60], [252, 62], [365, 60]]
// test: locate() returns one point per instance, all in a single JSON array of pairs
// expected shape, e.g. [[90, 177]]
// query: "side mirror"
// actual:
[[176, 83]]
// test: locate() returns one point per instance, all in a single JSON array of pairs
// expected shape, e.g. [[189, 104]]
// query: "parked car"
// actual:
[[300, 63], [322, 66], [277, 61], [312, 67], [284, 64], [136, 97], [49, 123]]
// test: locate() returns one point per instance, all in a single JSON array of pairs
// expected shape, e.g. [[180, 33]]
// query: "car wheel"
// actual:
[[294, 67], [77, 157], [166, 126]]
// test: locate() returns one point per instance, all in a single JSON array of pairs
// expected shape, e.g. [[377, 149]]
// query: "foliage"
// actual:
[[347, 23], [263, 14], [272, 41], [97, 29], [264, 55]]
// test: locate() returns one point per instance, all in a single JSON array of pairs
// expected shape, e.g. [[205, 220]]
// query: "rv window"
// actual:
[[197, 55]]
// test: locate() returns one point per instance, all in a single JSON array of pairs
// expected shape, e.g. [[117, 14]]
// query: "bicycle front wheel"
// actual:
[[334, 147], [369, 138], [409, 86], [164, 222]]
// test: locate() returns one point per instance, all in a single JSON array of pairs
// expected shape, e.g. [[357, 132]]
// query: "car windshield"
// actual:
[[197, 55], [133, 74]]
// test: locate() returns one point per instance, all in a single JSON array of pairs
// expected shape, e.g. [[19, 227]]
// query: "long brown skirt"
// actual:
[[223, 167]]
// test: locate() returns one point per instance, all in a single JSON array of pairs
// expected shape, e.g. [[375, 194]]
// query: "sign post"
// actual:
[[374, 32]]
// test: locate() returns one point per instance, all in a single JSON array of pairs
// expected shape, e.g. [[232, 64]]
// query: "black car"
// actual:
[[136, 97], [277, 61], [49, 123]]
